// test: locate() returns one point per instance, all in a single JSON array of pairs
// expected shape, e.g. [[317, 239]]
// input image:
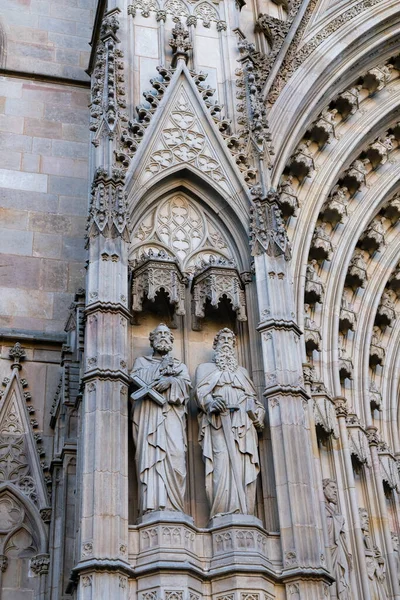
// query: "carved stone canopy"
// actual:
[[357, 274], [375, 397], [324, 412], [214, 282], [157, 273], [354, 177], [389, 467], [335, 208], [374, 237], [386, 312], [358, 443], [347, 103]]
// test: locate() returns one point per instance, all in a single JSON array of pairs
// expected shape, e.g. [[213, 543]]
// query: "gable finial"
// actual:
[[16, 354], [180, 44]]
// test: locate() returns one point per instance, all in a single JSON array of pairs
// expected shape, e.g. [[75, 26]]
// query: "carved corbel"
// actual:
[[376, 351], [347, 316], [392, 209], [214, 282], [373, 238], [288, 201], [386, 313], [355, 176], [335, 208], [302, 162], [321, 245], [347, 103], [323, 130], [314, 289], [358, 443], [312, 333], [377, 78], [40, 564], [155, 273], [357, 274], [345, 366], [378, 152]]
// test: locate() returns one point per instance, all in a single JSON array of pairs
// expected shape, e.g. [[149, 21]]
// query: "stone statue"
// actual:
[[159, 424], [229, 420], [395, 541], [374, 560], [340, 555]]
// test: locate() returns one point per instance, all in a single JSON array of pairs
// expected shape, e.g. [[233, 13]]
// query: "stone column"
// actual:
[[373, 440], [102, 568], [341, 412], [304, 561], [104, 411]]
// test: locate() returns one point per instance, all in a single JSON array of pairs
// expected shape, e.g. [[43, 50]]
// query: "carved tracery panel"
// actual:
[[184, 232]]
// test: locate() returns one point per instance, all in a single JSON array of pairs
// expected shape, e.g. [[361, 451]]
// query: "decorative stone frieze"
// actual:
[[373, 238], [386, 313], [302, 163], [357, 273], [267, 229], [321, 246], [358, 442], [314, 289], [376, 351], [335, 208], [157, 273], [214, 282]]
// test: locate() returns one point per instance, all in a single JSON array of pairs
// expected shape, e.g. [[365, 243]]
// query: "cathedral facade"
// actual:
[[199, 304]]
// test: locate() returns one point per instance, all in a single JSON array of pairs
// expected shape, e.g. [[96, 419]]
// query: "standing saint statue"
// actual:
[[230, 417], [374, 560], [340, 555], [159, 424]]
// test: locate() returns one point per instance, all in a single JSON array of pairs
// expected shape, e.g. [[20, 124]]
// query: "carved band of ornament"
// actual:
[[215, 282], [108, 211], [297, 54], [155, 275]]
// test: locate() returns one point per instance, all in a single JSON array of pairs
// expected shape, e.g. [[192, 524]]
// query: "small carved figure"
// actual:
[[374, 560], [230, 417], [159, 424], [340, 555], [395, 540]]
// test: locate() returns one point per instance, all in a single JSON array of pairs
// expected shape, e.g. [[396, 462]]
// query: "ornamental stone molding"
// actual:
[[156, 273], [357, 273], [335, 208], [267, 229], [212, 284], [314, 289], [358, 443]]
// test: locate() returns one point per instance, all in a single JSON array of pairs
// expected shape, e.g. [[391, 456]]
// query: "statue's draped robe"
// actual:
[[159, 433], [375, 570], [339, 552], [237, 389]]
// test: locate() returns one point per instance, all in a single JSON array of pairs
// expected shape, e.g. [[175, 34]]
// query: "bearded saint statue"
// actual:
[[229, 420], [340, 555], [159, 424]]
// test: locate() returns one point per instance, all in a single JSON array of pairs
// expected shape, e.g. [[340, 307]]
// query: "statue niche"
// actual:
[[230, 418], [177, 248], [159, 425]]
